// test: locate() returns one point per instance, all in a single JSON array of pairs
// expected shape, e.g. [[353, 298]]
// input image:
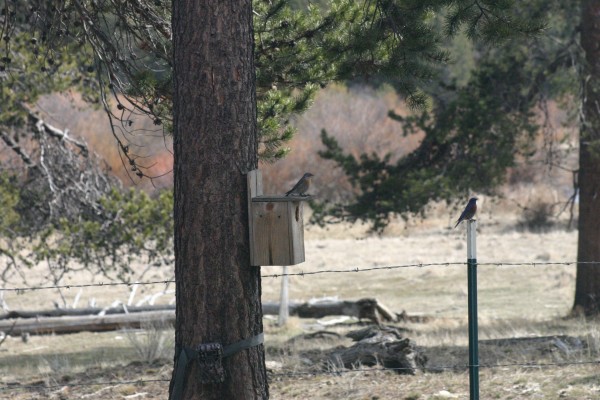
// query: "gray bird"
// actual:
[[469, 211], [302, 186]]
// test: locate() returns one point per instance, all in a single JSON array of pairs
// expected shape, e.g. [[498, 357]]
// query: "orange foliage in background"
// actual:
[[357, 116], [145, 140]]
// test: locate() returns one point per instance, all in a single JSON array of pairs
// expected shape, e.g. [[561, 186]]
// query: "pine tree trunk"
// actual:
[[215, 143], [587, 290]]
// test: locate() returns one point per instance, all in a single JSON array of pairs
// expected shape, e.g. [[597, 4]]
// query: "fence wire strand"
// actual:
[[63, 385], [435, 368], [308, 273], [331, 372], [24, 289]]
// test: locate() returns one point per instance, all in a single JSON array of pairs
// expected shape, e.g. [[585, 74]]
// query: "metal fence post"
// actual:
[[472, 305], [284, 307]]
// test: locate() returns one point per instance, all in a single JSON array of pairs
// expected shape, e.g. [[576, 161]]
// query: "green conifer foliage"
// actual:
[[474, 131], [118, 54]]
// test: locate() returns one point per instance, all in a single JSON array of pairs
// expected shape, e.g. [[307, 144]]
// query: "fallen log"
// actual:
[[557, 344], [271, 308], [364, 308], [63, 312], [367, 308], [268, 309], [94, 323], [320, 335], [380, 345], [64, 320]]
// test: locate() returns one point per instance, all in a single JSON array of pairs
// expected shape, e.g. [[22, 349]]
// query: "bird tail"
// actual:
[[457, 222]]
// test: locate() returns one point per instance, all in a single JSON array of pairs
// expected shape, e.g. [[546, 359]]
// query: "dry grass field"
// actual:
[[516, 301]]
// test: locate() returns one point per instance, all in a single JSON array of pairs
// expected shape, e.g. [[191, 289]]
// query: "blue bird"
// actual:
[[302, 186], [469, 211]]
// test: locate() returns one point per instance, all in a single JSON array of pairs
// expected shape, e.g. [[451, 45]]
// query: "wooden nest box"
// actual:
[[276, 225]]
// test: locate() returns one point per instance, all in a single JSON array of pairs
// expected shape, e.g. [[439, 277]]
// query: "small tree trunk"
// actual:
[[215, 144], [587, 287]]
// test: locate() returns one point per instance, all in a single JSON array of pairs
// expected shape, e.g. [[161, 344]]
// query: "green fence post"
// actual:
[[472, 305]]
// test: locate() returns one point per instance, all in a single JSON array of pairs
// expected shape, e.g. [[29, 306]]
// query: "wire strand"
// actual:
[[319, 272], [438, 367], [83, 285], [94, 383], [317, 373]]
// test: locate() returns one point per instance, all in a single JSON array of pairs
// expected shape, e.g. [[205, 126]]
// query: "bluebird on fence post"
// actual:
[[469, 211]]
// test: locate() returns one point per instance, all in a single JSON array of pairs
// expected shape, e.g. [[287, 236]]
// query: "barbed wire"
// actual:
[[424, 265], [318, 272], [436, 368], [365, 269], [93, 383], [83, 285], [329, 372]]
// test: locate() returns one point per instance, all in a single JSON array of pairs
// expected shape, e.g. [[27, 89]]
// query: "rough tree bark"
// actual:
[[215, 144], [587, 288]]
